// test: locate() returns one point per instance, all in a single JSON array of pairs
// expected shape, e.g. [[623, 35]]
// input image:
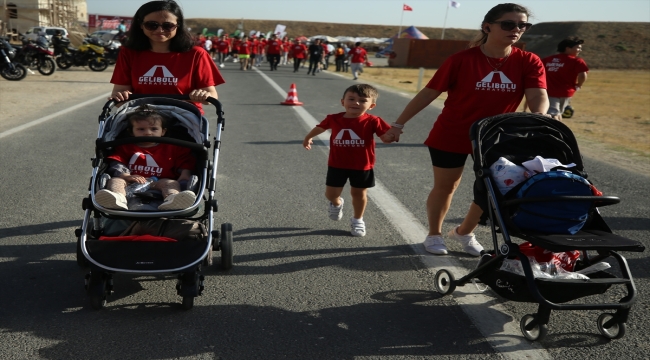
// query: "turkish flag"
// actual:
[[407, 8]]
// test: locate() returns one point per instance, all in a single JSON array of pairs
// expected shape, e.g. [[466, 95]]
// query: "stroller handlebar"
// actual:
[[211, 100]]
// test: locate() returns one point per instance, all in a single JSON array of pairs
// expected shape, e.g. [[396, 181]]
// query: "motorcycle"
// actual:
[[88, 54], [8, 69], [35, 56], [111, 48]]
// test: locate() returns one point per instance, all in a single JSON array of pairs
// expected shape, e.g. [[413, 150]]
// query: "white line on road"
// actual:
[[499, 328], [51, 116]]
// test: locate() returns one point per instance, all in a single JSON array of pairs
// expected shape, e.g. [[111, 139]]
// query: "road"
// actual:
[[301, 287]]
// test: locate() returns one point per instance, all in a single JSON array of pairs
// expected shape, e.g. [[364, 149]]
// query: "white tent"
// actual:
[[323, 37]]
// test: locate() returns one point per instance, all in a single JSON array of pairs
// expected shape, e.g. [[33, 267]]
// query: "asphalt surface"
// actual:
[[301, 287]]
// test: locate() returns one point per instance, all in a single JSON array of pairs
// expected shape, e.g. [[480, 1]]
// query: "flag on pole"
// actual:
[[454, 4], [407, 8]]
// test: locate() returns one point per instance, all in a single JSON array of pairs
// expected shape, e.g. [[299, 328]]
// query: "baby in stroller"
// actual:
[[171, 165]]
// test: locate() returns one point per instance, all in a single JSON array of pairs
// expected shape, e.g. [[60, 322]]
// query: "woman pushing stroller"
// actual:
[[159, 57], [487, 79]]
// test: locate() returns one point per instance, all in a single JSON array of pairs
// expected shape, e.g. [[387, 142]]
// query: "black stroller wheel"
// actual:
[[610, 331], [188, 302], [97, 287], [532, 332], [445, 282], [225, 244]]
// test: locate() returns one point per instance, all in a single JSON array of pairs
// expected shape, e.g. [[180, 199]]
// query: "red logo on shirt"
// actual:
[[152, 77]]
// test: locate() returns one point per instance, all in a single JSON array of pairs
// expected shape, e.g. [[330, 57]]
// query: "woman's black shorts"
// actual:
[[362, 179], [446, 159]]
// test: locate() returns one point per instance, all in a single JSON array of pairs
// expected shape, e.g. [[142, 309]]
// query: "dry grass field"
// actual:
[[612, 109]]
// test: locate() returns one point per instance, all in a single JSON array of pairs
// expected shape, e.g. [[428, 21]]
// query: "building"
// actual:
[[24, 14]]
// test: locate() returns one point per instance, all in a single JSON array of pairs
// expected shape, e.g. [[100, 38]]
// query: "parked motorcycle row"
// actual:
[[90, 53], [16, 60]]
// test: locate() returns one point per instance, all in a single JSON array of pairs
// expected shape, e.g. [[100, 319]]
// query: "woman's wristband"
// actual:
[[396, 125]]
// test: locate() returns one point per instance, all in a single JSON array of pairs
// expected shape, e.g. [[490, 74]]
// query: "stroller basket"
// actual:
[[515, 287]]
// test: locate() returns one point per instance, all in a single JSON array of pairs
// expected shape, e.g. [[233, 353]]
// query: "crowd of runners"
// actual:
[[316, 55]]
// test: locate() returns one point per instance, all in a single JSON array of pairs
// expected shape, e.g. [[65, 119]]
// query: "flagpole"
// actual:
[[444, 25], [399, 33]]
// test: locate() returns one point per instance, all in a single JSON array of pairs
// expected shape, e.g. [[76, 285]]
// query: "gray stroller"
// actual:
[[101, 246]]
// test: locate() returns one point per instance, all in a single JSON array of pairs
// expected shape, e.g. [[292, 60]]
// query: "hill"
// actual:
[[608, 45]]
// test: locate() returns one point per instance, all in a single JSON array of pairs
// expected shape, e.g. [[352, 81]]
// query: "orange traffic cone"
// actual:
[[292, 97]]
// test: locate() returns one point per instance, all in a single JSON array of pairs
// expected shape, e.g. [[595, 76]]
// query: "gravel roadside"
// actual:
[[37, 96]]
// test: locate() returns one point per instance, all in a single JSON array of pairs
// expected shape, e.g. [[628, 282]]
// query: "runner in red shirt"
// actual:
[[352, 152], [244, 52], [286, 45], [234, 50], [261, 50], [565, 74], [223, 49], [254, 50], [299, 53], [488, 79], [273, 51], [357, 57]]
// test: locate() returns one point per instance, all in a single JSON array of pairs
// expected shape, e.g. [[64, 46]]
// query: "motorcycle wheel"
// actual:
[[33, 65], [18, 74], [98, 64], [46, 67], [63, 63]]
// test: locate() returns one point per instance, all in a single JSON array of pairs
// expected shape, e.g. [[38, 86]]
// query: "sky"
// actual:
[[426, 13]]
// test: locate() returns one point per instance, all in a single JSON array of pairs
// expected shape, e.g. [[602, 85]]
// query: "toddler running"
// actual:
[[352, 152]]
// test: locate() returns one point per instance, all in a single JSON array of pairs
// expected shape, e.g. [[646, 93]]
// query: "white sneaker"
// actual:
[[221, 65], [336, 212], [435, 244], [470, 245], [179, 201], [358, 227], [111, 200]]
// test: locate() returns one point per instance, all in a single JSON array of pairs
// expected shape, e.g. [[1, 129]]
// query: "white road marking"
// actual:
[[493, 321], [51, 116]]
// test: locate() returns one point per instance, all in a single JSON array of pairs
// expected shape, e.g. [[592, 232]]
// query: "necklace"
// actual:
[[499, 64]]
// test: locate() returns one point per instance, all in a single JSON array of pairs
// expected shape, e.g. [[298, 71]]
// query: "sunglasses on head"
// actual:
[[153, 26], [508, 25]]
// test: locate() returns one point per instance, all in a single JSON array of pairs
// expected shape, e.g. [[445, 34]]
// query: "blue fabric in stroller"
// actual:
[[520, 137]]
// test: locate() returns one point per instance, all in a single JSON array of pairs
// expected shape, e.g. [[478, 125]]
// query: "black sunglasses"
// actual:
[[508, 25], [153, 26]]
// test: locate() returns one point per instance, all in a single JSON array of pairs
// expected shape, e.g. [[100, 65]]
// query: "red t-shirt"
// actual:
[[561, 73], [235, 45], [244, 48], [475, 91], [274, 47], [166, 73], [254, 46], [299, 51], [286, 46], [223, 46], [352, 143], [358, 54], [261, 44], [164, 161], [325, 52]]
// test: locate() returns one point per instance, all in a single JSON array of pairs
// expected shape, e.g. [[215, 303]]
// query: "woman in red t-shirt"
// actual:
[[487, 79], [159, 57], [299, 52]]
